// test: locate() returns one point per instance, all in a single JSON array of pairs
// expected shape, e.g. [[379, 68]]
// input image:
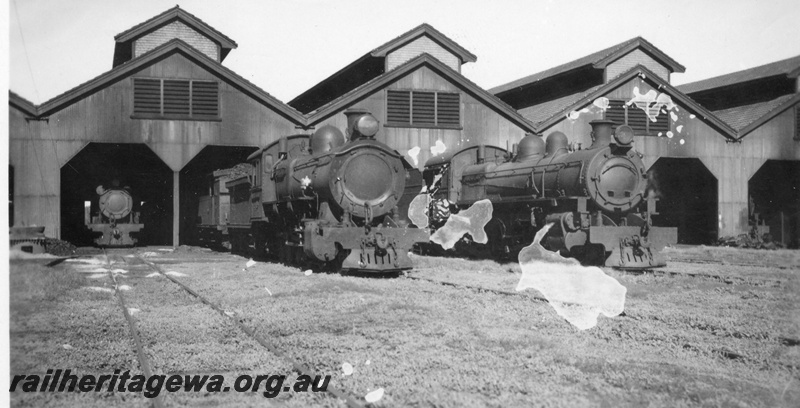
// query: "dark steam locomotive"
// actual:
[[596, 197], [322, 199], [115, 222]]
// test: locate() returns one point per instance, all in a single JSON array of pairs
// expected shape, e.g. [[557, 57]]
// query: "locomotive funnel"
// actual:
[[601, 132]]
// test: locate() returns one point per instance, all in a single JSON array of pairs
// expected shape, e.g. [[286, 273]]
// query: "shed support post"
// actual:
[[176, 215]]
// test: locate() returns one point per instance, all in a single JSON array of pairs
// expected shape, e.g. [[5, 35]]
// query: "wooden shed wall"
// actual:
[[38, 149], [733, 164], [481, 124]]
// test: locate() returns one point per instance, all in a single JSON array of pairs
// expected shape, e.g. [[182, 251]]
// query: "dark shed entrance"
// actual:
[[195, 180], [106, 164], [775, 198], [687, 194]]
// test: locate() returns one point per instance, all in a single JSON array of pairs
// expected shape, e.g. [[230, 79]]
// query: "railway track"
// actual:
[[237, 320], [144, 361]]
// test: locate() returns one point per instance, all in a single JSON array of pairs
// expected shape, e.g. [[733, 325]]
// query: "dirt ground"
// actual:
[[716, 327]]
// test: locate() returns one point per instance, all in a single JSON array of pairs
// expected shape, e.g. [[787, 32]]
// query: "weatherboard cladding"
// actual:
[[180, 31], [418, 47], [632, 59]]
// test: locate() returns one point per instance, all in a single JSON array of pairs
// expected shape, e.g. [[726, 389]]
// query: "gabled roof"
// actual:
[[747, 118], [440, 68], [789, 68], [370, 66], [123, 50], [157, 54], [25, 106], [596, 92], [427, 30], [543, 111], [597, 60]]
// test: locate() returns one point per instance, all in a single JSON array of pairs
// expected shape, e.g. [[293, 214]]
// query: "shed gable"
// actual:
[[176, 30], [419, 46], [632, 59]]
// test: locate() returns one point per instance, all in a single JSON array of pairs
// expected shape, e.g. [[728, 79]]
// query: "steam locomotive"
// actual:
[[596, 197], [321, 199], [115, 222]]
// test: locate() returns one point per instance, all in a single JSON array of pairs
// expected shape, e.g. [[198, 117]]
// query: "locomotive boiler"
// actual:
[[596, 196], [115, 222], [326, 200]]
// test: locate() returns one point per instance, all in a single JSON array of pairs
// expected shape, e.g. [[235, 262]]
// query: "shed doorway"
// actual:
[[687, 193], [126, 165], [196, 181], [775, 200]]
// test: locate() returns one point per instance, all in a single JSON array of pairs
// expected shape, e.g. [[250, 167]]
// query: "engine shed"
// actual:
[[723, 154], [167, 113]]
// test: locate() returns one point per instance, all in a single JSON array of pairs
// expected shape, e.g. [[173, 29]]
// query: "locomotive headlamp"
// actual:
[[367, 125], [623, 135], [360, 123]]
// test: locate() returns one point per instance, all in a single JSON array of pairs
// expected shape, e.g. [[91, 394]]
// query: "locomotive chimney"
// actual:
[[601, 132], [481, 154], [283, 146]]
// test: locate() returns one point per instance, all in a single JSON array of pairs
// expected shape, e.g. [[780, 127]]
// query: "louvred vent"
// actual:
[[175, 99]]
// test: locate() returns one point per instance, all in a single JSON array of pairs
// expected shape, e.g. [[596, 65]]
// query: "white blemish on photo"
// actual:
[[577, 293], [99, 289], [438, 148], [470, 221], [347, 369], [601, 102], [374, 396], [414, 154]]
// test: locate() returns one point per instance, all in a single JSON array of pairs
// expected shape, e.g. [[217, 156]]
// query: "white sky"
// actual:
[[285, 47]]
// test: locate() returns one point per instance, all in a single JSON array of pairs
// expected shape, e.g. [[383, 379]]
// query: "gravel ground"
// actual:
[[716, 327]]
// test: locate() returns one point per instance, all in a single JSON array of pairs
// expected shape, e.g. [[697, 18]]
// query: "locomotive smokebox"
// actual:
[[602, 130], [360, 124]]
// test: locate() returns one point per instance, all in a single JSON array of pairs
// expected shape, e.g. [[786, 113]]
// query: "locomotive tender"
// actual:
[[324, 200], [596, 197], [115, 222]]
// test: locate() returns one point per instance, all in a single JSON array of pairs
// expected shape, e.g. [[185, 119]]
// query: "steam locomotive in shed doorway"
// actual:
[[596, 197], [324, 200], [115, 224]]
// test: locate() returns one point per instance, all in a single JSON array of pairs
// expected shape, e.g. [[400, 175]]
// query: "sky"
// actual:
[[286, 47]]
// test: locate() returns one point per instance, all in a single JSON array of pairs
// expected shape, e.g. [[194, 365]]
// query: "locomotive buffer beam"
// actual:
[[629, 249], [376, 250], [115, 235]]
